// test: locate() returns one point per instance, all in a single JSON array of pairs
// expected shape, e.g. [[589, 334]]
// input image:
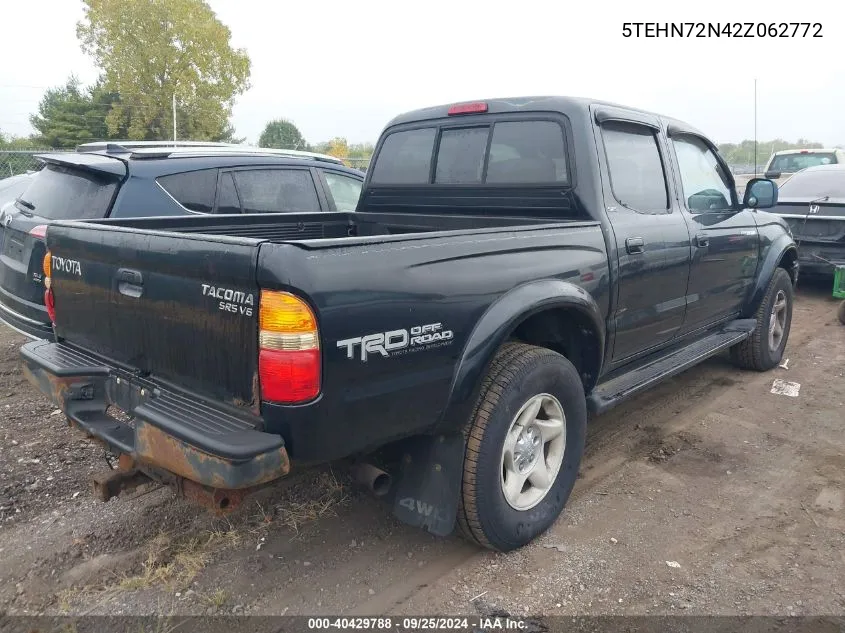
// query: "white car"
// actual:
[[789, 161]]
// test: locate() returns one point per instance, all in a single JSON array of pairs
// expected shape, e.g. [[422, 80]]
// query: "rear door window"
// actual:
[[64, 193], [636, 169], [277, 191], [194, 190], [227, 198]]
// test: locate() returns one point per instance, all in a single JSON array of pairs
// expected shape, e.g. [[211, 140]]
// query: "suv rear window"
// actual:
[[194, 190], [58, 192], [518, 152]]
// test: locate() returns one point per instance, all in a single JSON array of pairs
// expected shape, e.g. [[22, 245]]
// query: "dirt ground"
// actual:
[[708, 495]]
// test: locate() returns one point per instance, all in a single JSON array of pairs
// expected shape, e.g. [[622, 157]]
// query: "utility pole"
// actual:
[[755, 126], [174, 119]]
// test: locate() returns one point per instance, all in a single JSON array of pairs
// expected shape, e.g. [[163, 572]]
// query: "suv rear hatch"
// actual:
[[71, 186]]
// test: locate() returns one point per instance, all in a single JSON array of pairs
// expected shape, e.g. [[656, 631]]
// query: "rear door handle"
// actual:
[[634, 245], [130, 282], [702, 241]]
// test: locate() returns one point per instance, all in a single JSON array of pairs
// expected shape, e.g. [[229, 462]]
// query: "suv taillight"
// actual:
[[289, 349], [47, 269]]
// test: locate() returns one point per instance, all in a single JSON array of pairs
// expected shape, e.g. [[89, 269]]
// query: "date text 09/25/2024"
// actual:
[[721, 29], [419, 623]]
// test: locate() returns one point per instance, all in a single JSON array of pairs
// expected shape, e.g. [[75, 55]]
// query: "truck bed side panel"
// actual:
[[390, 293]]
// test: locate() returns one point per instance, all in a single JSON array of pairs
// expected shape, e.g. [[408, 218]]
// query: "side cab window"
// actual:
[[706, 185]]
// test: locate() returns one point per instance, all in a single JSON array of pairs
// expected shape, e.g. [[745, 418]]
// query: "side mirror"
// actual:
[[760, 193], [772, 175]]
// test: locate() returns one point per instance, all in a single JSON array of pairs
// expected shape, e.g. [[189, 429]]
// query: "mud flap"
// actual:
[[429, 485]]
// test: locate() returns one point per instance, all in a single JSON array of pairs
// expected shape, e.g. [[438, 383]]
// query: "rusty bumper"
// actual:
[[166, 433]]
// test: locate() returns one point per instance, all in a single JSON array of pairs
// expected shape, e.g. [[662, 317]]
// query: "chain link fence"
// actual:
[[20, 161]]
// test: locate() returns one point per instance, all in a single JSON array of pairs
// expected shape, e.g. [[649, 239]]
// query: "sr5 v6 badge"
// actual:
[[398, 342]]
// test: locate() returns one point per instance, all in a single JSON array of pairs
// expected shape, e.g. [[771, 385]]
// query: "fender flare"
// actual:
[[495, 326], [782, 246]]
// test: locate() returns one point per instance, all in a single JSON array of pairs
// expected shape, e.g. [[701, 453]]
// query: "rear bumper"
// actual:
[[820, 259], [11, 315], [170, 433]]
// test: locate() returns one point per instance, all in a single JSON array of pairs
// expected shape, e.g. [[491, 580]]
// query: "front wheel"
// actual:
[[524, 447], [764, 349]]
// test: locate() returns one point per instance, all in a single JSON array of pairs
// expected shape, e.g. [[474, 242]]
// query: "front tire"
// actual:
[[524, 447], [764, 349]]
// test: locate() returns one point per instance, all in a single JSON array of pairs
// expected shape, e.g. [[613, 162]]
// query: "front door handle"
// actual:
[[634, 245], [702, 241]]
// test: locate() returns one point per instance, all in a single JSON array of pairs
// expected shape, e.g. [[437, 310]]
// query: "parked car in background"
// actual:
[[12, 187], [790, 161], [813, 203], [110, 180]]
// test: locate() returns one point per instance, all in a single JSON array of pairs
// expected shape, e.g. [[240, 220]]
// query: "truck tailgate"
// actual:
[[165, 306]]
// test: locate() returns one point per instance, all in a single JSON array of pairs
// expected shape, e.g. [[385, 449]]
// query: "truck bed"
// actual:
[[322, 226]]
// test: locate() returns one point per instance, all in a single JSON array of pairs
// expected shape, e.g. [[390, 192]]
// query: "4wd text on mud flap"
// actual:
[[236, 301], [397, 342], [423, 508], [65, 265]]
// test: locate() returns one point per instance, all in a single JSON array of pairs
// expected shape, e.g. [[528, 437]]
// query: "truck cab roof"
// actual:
[[566, 105]]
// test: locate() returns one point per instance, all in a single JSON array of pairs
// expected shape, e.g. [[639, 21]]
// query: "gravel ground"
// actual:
[[707, 495]]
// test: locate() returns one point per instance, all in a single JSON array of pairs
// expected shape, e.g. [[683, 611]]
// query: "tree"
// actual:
[[151, 50], [70, 114], [743, 153], [338, 147], [282, 134]]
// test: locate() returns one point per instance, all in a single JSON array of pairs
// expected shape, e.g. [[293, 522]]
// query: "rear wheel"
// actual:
[[841, 313], [764, 349], [524, 447]]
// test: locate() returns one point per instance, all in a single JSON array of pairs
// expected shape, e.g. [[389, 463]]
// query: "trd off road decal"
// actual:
[[397, 342]]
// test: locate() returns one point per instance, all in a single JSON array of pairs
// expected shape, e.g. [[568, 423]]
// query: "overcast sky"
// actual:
[[344, 68]]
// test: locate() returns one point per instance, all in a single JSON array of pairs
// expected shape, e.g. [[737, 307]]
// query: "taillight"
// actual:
[[47, 269], [39, 231], [289, 349]]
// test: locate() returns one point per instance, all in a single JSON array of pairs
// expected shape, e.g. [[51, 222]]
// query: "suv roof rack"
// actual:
[[195, 151], [128, 146]]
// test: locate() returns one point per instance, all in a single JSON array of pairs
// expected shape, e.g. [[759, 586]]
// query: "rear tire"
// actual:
[[841, 313], [524, 447], [764, 349]]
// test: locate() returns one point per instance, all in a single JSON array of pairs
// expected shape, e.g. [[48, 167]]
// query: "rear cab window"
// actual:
[[499, 152], [59, 192]]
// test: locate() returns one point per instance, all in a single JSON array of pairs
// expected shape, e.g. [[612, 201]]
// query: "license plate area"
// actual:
[[12, 248], [124, 394]]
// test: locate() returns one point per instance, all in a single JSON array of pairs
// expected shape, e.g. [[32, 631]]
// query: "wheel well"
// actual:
[[568, 332], [787, 262]]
